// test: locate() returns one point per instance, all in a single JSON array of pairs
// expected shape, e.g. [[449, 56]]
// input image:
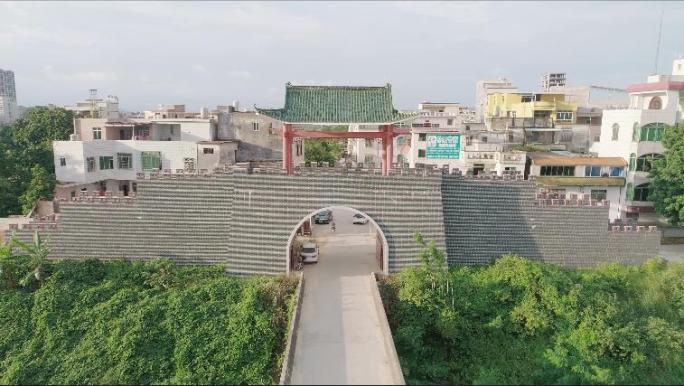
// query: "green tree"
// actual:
[[42, 186], [667, 187], [37, 254], [323, 151], [25, 144]]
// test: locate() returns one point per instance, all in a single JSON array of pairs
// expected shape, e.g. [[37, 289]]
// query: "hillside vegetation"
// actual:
[[94, 322], [522, 322]]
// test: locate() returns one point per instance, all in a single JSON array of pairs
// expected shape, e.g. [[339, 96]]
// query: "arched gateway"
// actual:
[[381, 239]]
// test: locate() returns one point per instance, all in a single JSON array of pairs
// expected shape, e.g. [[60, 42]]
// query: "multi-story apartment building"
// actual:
[[107, 155], [635, 133], [486, 87], [8, 97], [542, 119], [442, 134], [565, 174]]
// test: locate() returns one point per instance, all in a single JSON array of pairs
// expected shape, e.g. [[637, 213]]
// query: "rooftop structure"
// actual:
[[334, 105]]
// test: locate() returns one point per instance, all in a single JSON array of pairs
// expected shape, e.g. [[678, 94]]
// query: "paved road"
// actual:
[[339, 339]]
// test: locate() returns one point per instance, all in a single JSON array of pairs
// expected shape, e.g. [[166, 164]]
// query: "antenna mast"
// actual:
[[660, 33]]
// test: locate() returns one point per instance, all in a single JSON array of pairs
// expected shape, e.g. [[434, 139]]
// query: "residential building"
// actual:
[[107, 154], [470, 148], [635, 134], [8, 97], [486, 87], [566, 174], [552, 79]]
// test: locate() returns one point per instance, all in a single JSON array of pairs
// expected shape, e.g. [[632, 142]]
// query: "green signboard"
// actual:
[[443, 146]]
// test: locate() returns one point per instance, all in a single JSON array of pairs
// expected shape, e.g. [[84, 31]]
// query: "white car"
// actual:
[[309, 253], [360, 219]]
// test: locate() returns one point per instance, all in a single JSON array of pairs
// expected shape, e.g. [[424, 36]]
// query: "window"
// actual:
[[564, 115], [255, 126], [616, 131], [557, 171], [124, 160], [655, 104], [97, 133], [632, 162], [106, 162], [645, 162], [526, 98], [435, 125], [635, 132], [208, 150], [421, 153], [617, 171], [599, 194], [151, 160], [652, 132], [592, 171], [189, 164], [566, 136], [416, 125], [469, 140], [90, 164], [483, 139], [422, 137], [641, 192], [62, 161], [450, 122], [467, 127]]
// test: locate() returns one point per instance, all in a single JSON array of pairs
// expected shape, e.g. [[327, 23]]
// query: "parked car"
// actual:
[[309, 253], [323, 217], [360, 219]]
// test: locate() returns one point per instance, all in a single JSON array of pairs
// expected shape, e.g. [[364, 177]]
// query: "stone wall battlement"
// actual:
[[243, 216]]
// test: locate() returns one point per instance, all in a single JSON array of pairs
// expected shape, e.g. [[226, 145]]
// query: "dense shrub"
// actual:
[[141, 323], [519, 321]]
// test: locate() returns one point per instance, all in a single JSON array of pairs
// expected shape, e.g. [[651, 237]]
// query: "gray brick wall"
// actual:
[[244, 220]]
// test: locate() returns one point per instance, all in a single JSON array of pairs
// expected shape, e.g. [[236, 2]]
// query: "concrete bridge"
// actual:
[[243, 217]]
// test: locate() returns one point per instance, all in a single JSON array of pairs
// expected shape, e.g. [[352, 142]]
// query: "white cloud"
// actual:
[[93, 77]]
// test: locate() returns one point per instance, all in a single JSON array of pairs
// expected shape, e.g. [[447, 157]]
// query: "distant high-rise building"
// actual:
[[8, 97], [552, 79]]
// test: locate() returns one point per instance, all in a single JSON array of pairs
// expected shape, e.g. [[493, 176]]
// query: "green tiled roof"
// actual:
[[336, 104], [580, 181]]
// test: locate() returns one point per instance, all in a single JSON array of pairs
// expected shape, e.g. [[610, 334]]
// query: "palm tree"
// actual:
[[37, 254]]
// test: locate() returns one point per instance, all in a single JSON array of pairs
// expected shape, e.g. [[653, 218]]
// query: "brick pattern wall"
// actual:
[[244, 220]]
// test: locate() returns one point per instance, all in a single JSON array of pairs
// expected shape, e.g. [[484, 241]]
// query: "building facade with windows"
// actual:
[[486, 87], [106, 154], [565, 174], [635, 134], [8, 97]]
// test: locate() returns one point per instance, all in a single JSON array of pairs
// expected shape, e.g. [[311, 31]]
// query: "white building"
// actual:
[[564, 173], [552, 79], [8, 97], [486, 87], [635, 134]]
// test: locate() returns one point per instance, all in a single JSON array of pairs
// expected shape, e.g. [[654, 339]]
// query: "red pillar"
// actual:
[[385, 150], [287, 148], [390, 147]]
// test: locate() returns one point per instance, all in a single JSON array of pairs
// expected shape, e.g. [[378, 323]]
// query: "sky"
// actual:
[[212, 53]]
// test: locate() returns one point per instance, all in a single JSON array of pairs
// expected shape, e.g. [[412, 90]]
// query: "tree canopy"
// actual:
[[667, 187], [323, 151], [522, 322], [26, 158]]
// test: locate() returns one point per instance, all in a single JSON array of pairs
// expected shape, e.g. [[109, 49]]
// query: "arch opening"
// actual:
[[344, 214]]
